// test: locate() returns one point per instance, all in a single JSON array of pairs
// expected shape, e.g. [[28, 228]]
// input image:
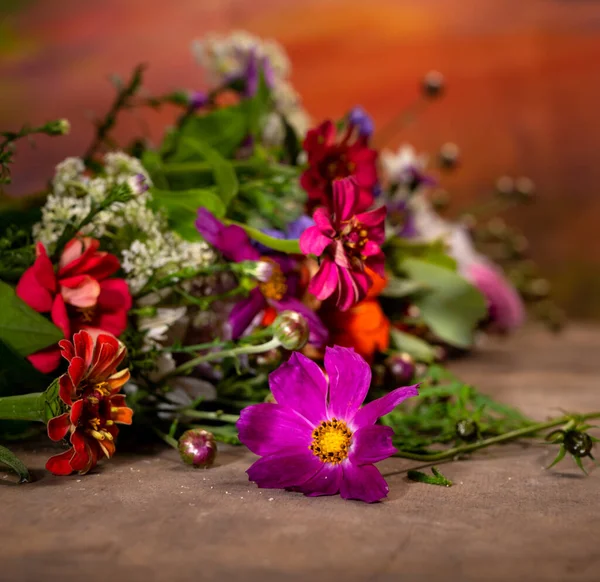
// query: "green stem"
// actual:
[[515, 434], [165, 437], [207, 415], [241, 350], [23, 407]]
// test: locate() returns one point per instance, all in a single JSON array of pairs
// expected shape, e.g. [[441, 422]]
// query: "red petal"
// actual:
[[76, 411], [61, 464], [79, 250], [29, 290], [84, 347], [76, 370], [114, 295], [58, 427], [83, 459], [45, 361], [67, 349], [66, 390], [44, 271], [59, 316], [80, 290]]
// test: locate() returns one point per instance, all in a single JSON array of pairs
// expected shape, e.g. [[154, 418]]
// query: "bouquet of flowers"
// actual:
[[255, 278]]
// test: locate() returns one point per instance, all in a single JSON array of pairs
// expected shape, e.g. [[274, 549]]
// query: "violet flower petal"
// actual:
[[325, 280], [372, 444], [325, 482], [290, 469], [313, 241], [363, 482], [370, 412], [244, 311], [349, 381], [300, 384], [268, 429], [345, 198], [295, 228]]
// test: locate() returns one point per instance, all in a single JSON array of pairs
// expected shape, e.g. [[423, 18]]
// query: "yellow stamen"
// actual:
[[331, 441], [97, 435], [276, 287]]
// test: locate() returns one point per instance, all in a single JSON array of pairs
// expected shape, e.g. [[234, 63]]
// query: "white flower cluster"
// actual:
[[149, 249], [225, 57]]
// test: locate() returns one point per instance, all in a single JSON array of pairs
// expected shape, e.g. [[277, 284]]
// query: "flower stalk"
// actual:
[[503, 438]]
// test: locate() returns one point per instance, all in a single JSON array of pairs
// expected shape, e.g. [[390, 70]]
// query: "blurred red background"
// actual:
[[523, 90]]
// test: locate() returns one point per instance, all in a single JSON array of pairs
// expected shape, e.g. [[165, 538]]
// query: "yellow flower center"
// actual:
[[331, 441], [276, 287]]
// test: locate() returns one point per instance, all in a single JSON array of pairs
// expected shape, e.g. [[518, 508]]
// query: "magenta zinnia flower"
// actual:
[[317, 439], [346, 243]]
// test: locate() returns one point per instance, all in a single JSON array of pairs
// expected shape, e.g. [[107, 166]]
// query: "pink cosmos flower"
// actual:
[[317, 439], [346, 243]]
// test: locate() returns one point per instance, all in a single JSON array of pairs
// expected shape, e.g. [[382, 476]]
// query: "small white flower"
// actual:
[[397, 166]]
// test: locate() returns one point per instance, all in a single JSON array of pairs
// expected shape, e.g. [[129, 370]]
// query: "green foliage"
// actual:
[[11, 460], [290, 246], [436, 479], [181, 207], [419, 349], [17, 375], [450, 306], [21, 328]]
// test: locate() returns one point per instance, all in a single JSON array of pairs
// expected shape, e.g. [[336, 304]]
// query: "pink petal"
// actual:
[[371, 249], [352, 288], [372, 411], [377, 264], [313, 241], [339, 255], [349, 381], [268, 429], [372, 444], [325, 482], [363, 482], [323, 221], [291, 469], [31, 292], [80, 291], [300, 384], [373, 219], [72, 251], [345, 199], [45, 361], [114, 295], [325, 280]]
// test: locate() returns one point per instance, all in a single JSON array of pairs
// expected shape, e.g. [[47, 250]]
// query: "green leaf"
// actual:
[[9, 458], [152, 161], [22, 328], [257, 106], [399, 249], [436, 479], [223, 170], [181, 207], [17, 375], [289, 246], [419, 349], [561, 455], [451, 307], [397, 288]]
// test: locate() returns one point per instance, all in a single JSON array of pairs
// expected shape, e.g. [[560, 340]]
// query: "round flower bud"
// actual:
[[197, 447], [57, 127], [291, 329], [579, 444], [449, 156], [400, 369], [467, 430], [433, 84]]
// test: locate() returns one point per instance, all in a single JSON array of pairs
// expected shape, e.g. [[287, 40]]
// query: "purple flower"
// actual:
[[279, 291], [359, 118], [197, 100], [317, 439]]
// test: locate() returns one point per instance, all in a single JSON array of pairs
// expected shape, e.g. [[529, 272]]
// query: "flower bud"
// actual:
[[449, 156], [467, 430], [197, 100], [57, 127], [359, 118], [138, 184], [433, 84], [400, 369], [260, 270], [197, 447], [578, 443], [291, 329]]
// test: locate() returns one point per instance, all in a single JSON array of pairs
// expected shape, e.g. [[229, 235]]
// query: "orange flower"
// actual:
[[364, 326]]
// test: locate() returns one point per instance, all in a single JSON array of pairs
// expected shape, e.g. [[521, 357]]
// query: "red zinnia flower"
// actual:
[[90, 388], [79, 296], [330, 159]]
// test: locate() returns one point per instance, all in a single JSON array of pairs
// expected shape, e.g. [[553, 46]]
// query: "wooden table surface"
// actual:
[[149, 518]]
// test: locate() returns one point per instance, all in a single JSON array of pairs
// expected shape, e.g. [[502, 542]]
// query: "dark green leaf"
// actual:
[[290, 246], [416, 347], [17, 375], [402, 288], [9, 458], [223, 170], [22, 328], [436, 479], [181, 207], [561, 455], [451, 307]]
